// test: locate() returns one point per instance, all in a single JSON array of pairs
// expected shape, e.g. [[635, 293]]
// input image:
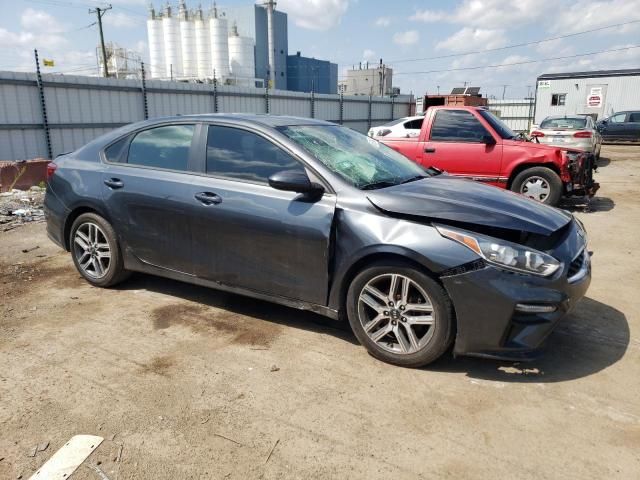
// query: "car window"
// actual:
[[243, 155], [617, 118], [570, 123], [414, 124], [162, 147], [116, 152], [634, 117], [457, 126]]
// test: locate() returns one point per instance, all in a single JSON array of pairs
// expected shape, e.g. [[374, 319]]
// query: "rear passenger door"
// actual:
[[148, 193], [251, 235]]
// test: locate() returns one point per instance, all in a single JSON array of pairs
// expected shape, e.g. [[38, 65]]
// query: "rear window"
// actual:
[[570, 123], [162, 147]]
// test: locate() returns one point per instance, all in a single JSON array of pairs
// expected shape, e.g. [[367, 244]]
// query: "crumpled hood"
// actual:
[[444, 197]]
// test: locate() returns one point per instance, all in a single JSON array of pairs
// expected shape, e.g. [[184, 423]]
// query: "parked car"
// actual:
[[574, 131], [622, 126], [316, 216], [473, 143], [402, 127]]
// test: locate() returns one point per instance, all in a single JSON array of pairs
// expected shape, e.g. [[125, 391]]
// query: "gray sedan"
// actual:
[[569, 131], [315, 216]]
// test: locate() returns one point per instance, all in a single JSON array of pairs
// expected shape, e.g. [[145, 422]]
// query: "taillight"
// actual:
[[537, 133], [51, 169], [582, 134]]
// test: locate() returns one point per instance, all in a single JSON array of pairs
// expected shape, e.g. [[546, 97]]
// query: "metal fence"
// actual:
[[516, 113], [43, 116]]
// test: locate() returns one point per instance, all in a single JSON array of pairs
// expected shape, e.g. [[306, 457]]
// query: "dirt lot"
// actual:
[[182, 376]]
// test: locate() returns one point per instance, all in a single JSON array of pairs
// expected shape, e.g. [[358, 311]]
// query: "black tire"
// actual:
[[443, 324], [115, 272], [549, 176]]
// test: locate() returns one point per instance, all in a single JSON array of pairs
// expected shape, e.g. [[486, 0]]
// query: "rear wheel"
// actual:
[[539, 183], [95, 251], [400, 315]]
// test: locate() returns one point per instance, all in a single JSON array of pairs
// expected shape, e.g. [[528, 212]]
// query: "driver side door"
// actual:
[[251, 235]]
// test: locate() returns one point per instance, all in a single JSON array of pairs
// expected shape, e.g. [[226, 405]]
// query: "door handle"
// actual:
[[429, 150], [114, 183], [208, 198]]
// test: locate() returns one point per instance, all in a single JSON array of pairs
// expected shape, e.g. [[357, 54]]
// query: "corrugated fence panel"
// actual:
[[327, 109], [516, 113], [81, 108]]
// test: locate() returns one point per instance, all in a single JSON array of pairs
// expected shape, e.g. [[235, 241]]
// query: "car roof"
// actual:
[[554, 117], [255, 118]]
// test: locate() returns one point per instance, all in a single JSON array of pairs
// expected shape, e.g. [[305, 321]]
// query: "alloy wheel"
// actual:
[[396, 313], [536, 188], [91, 250]]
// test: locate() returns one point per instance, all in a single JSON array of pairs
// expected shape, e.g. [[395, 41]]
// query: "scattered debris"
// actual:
[[275, 368], [113, 437], [43, 446], [204, 420], [227, 438], [119, 456], [32, 452], [271, 451], [18, 207], [66, 460], [97, 469], [27, 250]]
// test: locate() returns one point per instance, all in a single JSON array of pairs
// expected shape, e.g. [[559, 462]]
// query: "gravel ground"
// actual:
[[194, 383]]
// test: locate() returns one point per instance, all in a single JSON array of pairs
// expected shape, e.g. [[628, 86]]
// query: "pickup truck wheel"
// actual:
[[399, 314], [539, 183]]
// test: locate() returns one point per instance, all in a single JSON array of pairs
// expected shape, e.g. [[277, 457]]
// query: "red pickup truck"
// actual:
[[472, 142]]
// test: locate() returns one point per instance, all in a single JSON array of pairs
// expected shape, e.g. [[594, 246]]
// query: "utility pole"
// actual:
[[504, 90], [271, 4], [100, 12]]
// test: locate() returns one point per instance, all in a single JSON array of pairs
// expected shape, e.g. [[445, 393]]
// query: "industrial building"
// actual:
[[229, 44], [598, 93], [306, 74], [376, 81], [253, 22]]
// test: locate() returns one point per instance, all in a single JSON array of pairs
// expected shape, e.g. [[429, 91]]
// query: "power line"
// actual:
[[507, 47], [524, 62]]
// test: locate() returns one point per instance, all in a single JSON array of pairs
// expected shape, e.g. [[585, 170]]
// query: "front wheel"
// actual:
[[539, 183], [399, 314]]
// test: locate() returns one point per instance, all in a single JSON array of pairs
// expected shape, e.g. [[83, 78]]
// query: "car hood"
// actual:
[[444, 197]]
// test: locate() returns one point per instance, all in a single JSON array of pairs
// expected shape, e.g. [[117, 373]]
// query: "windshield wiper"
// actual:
[[413, 179], [376, 185]]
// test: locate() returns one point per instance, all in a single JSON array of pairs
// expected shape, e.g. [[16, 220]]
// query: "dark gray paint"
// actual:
[[303, 252]]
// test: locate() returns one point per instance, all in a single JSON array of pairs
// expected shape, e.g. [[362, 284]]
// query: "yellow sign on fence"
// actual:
[[47, 63]]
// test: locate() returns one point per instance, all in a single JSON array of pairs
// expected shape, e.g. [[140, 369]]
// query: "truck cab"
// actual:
[[471, 142]]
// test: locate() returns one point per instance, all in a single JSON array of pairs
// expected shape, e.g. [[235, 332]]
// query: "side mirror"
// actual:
[[294, 181], [489, 140]]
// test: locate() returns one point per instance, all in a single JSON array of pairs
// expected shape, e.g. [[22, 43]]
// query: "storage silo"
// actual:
[[203, 46], [241, 58], [219, 45], [188, 42], [156, 44], [172, 47]]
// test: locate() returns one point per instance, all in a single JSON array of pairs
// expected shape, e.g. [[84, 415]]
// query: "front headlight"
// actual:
[[510, 256]]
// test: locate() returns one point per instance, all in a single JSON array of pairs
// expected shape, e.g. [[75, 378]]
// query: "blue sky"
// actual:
[[350, 31]]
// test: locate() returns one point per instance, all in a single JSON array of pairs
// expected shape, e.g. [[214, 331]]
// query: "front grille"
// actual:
[[576, 265]]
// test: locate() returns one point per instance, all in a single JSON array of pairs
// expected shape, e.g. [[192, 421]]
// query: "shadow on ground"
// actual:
[[241, 305], [593, 337], [587, 205]]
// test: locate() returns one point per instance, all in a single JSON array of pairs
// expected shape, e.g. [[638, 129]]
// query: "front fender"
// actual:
[[365, 236]]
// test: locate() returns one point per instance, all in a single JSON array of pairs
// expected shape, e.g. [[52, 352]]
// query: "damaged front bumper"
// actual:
[[507, 315], [578, 178]]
